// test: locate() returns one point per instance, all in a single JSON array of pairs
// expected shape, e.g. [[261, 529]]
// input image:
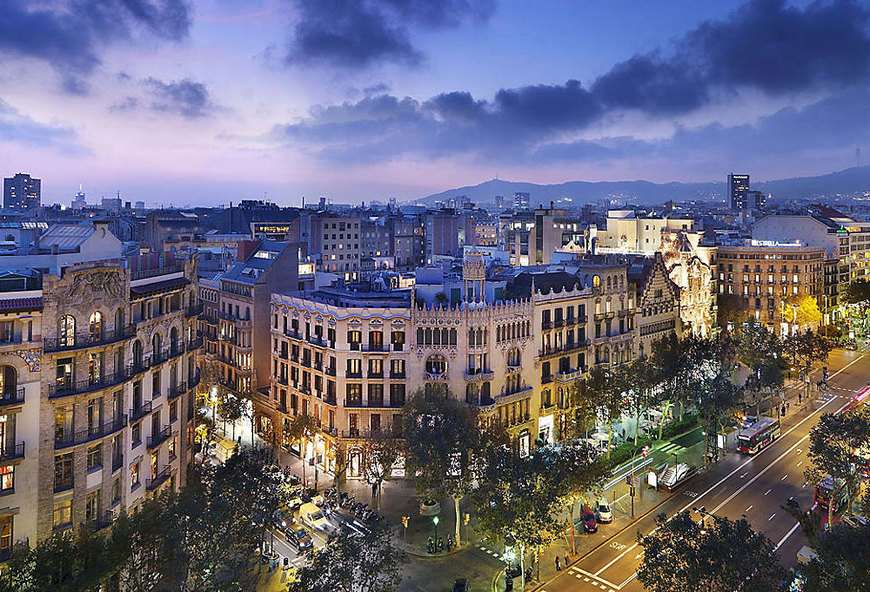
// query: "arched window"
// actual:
[[596, 281], [156, 346], [95, 326], [8, 382], [436, 364], [513, 358], [173, 340], [137, 354], [546, 398], [119, 322], [67, 331]]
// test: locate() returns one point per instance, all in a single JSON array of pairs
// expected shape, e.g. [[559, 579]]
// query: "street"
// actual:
[[752, 486]]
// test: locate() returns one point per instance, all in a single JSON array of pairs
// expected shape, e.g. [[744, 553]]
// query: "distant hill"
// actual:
[[847, 182]]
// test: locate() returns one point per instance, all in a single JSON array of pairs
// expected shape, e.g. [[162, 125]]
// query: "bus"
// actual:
[[858, 400], [829, 488], [758, 436]]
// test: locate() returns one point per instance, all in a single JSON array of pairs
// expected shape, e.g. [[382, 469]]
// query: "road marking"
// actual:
[[771, 517], [743, 475], [627, 580], [734, 472], [595, 577], [766, 492], [639, 555], [747, 509], [788, 534], [800, 463], [799, 450], [617, 546], [784, 477]]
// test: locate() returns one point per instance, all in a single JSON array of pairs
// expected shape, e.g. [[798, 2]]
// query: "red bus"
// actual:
[[758, 436], [857, 400], [830, 488]]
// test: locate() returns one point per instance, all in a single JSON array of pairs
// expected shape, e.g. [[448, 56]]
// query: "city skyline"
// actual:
[[201, 103]]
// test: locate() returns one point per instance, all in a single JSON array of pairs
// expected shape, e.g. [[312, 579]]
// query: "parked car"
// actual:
[[603, 513], [282, 520], [590, 524], [461, 585], [852, 345], [299, 539], [313, 517]]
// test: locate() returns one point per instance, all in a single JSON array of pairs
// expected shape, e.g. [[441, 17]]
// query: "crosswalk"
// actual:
[[489, 551], [671, 448]]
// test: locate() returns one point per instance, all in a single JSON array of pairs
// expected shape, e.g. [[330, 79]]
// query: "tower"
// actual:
[[474, 277]]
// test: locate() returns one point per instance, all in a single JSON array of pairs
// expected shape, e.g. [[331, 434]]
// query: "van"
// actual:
[[313, 516], [806, 555]]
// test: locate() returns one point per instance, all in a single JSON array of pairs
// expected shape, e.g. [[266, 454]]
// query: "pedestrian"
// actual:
[[787, 405], [567, 562], [800, 396], [783, 410], [558, 567]]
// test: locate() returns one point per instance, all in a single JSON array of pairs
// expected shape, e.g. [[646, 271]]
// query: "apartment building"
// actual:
[[238, 344], [513, 349], [630, 232], [767, 278], [658, 302], [98, 368], [336, 239]]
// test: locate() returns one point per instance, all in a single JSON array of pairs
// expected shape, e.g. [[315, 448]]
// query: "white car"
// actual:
[[313, 516], [605, 514]]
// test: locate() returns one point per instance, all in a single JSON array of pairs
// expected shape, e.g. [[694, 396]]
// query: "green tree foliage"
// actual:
[[200, 540], [857, 292], [301, 432], [580, 472], [842, 562], [606, 385], [716, 402], [379, 452], [442, 443], [833, 441], [681, 555], [353, 562], [761, 351]]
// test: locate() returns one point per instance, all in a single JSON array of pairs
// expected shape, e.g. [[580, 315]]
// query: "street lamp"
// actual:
[[435, 521]]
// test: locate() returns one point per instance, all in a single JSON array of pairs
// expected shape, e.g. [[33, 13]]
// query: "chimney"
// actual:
[[552, 205]]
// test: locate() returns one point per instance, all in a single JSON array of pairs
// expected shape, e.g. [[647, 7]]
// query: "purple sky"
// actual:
[[210, 101]]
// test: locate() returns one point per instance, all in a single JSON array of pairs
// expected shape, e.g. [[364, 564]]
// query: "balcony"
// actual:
[[84, 340], [176, 391], [318, 341], [514, 368], [378, 375], [478, 375], [559, 323], [158, 479], [193, 381], [353, 374], [141, 411], [570, 376], [545, 325], [386, 432], [15, 397], [237, 321], [377, 348], [65, 388], [353, 402], [11, 452], [547, 379], [397, 375], [282, 380], [436, 376], [159, 438], [329, 371], [90, 434], [104, 521], [194, 344]]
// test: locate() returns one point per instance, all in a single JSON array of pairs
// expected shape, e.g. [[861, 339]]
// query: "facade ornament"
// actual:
[[31, 357]]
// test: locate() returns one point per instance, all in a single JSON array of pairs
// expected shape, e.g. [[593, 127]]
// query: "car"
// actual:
[[603, 513], [461, 585], [856, 521], [590, 524], [282, 520], [313, 517], [299, 539], [852, 345]]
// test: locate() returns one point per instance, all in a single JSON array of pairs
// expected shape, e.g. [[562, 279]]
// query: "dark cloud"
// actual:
[[19, 128], [360, 33], [764, 46], [70, 35], [186, 97]]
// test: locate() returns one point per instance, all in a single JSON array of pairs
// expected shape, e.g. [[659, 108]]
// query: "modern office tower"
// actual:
[[738, 187], [521, 200], [21, 193]]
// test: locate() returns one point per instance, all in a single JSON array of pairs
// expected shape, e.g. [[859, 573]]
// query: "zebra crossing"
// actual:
[[489, 551], [671, 448]]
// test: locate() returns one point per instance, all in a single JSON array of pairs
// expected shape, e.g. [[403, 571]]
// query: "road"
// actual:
[[755, 486]]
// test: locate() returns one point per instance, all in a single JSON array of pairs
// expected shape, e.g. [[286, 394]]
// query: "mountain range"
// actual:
[[851, 181]]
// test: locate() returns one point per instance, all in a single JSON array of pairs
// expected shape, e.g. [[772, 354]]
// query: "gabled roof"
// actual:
[[65, 236]]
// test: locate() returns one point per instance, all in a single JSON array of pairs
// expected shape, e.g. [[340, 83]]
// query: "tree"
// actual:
[[442, 440], [232, 408], [761, 351], [607, 386], [517, 498], [379, 453], [731, 310], [842, 561], [716, 401], [642, 385], [833, 442], [806, 350], [580, 470], [682, 555], [353, 563], [803, 310], [302, 430]]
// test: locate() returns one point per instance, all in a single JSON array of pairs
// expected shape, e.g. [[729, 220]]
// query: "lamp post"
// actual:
[[435, 521]]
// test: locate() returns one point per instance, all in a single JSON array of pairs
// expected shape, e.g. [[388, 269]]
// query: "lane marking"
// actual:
[[788, 534], [735, 471], [771, 517], [743, 475], [747, 509], [784, 477], [766, 492], [595, 577], [800, 463]]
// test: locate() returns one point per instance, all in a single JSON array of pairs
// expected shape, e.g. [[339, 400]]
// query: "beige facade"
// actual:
[[627, 232], [98, 368], [767, 280]]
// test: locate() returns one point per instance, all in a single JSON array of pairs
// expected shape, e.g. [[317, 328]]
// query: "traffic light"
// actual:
[[467, 518], [405, 521]]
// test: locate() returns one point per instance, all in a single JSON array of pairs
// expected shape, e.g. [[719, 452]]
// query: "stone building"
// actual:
[[98, 374]]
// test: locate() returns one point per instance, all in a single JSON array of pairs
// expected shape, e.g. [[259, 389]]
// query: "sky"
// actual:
[[206, 102]]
